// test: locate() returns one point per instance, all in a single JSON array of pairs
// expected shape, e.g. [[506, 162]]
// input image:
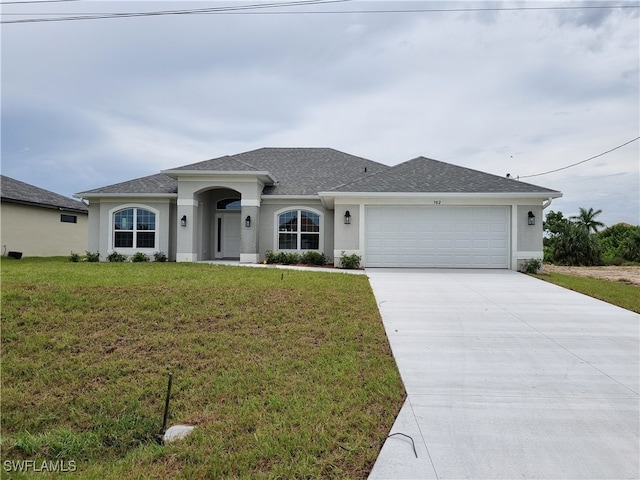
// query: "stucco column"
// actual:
[[249, 248], [187, 246]]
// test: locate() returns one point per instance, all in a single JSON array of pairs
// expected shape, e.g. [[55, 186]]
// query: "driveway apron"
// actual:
[[508, 376]]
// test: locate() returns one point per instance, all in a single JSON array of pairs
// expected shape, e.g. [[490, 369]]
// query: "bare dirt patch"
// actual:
[[629, 275]]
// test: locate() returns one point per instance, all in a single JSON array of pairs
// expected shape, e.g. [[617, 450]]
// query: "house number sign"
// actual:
[[437, 202]]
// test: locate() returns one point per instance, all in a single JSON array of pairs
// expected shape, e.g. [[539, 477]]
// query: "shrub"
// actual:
[[116, 257], [575, 246], [160, 257], [140, 257], [93, 257], [75, 257], [313, 258], [532, 265], [273, 257], [630, 247], [291, 258], [350, 262]]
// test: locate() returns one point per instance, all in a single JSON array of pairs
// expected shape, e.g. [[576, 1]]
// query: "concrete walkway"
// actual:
[[508, 377]]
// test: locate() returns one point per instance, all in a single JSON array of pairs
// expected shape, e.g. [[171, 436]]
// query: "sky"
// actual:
[[520, 88]]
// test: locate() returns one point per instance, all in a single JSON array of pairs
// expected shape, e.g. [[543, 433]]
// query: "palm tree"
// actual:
[[586, 218]]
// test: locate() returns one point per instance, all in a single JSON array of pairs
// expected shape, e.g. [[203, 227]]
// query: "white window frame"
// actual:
[[299, 209], [133, 250]]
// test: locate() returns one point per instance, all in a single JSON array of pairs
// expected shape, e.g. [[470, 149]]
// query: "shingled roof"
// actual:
[[15, 191], [152, 184], [426, 175], [298, 171], [308, 171]]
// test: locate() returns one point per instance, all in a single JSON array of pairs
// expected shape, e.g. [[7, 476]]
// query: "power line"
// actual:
[[242, 10], [196, 11], [38, 1], [582, 161]]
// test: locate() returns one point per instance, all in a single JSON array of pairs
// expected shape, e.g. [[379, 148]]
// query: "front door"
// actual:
[[228, 235]]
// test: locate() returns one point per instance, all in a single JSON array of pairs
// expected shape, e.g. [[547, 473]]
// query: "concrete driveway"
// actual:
[[508, 377]]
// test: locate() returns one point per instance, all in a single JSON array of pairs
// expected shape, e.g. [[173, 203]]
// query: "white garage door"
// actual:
[[442, 237]]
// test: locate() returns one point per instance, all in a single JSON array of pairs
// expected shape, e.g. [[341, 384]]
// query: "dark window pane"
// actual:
[[123, 220], [310, 222], [124, 240], [146, 240], [310, 241], [68, 218], [288, 241]]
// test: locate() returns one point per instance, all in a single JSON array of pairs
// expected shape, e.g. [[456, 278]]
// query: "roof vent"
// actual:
[[365, 169]]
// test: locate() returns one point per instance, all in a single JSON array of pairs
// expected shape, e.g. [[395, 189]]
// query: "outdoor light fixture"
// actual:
[[347, 217], [183, 221], [247, 221], [532, 218]]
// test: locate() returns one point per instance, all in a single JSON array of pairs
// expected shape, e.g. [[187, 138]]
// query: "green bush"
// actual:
[[75, 257], [139, 257], [116, 257], [575, 246], [620, 244], [93, 257], [532, 265], [160, 257], [291, 258], [630, 247], [273, 257], [350, 262], [313, 258]]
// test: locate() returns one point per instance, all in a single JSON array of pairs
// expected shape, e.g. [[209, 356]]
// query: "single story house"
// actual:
[[40, 223], [420, 213]]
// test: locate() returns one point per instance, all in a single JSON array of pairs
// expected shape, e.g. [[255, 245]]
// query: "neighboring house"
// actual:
[[40, 223], [420, 213]]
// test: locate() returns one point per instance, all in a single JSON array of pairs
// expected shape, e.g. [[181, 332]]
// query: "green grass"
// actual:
[[620, 294], [286, 374]]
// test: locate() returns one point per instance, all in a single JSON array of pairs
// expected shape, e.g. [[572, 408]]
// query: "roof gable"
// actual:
[[426, 175], [15, 191]]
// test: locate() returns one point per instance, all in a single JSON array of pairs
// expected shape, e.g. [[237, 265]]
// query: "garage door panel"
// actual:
[[456, 237]]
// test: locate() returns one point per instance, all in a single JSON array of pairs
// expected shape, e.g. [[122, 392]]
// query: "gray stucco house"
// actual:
[[420, 213]]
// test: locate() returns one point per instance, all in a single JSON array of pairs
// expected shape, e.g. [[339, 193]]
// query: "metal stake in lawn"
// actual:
[[166, 406]]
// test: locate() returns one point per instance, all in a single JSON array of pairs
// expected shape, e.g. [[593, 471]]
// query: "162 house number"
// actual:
[[437, 202]]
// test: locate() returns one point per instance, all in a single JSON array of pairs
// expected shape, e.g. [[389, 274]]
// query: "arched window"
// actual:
[[298, 230], [134, 228]]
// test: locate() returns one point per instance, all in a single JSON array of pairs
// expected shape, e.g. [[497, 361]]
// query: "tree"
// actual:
[[569, 243], [586, 218]]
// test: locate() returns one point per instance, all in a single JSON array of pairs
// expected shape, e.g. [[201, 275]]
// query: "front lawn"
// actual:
[[284, 373], [620, 294]]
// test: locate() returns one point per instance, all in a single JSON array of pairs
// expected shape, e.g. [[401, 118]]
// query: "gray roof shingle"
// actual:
[[426, 175], [152, 184], [15, 191]]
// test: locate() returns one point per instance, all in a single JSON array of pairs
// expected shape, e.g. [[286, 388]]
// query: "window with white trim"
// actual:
[[134, 228], [298, 230]]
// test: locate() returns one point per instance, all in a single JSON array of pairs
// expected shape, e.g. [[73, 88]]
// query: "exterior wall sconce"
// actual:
[[531, 220], [183, 221], [347, 218], [247, 221]]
